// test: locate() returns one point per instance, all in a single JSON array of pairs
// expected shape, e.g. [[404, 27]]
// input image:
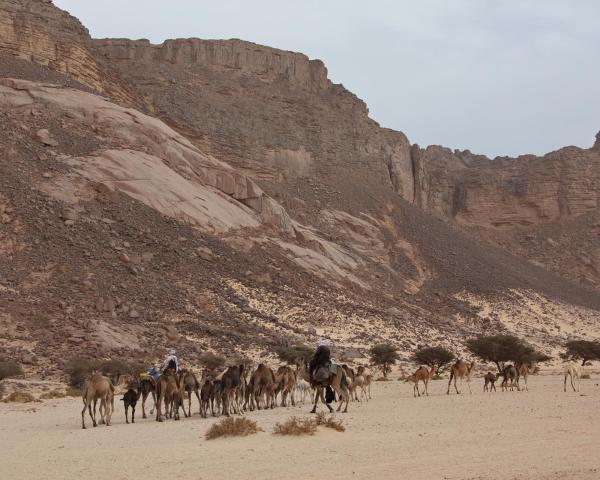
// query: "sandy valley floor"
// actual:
[[540, 434]]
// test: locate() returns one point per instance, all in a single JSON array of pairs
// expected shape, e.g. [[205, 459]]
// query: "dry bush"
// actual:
[[8, 368], [329, 422], [73, 392], [80, 369], [52, 394], [383, 379], [296, 426], [232, 427], [19, 397], [586, 376]]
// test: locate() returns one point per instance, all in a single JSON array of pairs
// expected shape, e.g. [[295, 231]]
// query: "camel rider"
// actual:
[[171, 362], [321, 357]]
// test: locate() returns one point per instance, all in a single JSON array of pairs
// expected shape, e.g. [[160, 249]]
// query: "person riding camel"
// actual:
[[321, 357], [319, 368], [171, 363]]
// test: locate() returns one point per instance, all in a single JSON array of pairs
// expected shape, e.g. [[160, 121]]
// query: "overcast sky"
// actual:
[[500, 77]]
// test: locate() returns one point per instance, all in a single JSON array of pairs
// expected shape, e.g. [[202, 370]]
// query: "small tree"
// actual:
[[500, 349], [433, 357], [9, 368], [384, 356], [584, 350], [212, 361], [79, 370], [291, 355]]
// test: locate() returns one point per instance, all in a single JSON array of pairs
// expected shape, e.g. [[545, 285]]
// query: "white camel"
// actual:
[[573, 370]]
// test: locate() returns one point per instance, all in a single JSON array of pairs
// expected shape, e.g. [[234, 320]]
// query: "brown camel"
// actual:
[[97, 388], [286, 383], [490, 381], [189, 383], [461, 369], [167, 393], [510, 373], [230, 383], [421, 375], [523, 371], [146, 387], [262, 383]]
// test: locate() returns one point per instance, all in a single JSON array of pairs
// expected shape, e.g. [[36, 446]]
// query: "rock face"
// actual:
[[253, 203], [37, 31]]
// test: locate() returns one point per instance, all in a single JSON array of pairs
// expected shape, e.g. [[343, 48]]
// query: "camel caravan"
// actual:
[[239, 388]]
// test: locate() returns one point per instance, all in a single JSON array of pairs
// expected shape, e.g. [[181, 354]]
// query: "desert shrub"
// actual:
[[73, 392], [384, 355], [80, 369], [232, 427], [212, 361], [329, 422], [586, 376], [19, 397], [296, 426], [52, 394], [291, 355], [383, 379], [433, 357], [9, 368]]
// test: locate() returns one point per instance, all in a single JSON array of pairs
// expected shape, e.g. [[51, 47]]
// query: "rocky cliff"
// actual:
[[249, 202], [37, 31]]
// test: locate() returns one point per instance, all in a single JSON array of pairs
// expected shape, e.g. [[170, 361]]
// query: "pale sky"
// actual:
[[500, 77]]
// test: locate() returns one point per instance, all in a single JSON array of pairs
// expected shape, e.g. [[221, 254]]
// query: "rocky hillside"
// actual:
[[226, 196]]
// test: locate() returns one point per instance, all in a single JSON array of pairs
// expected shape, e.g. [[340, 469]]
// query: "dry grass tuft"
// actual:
[[232, 427], [52, 394], [586, 376], [19, 397], [296, 426], [329, 422], [383, 379]]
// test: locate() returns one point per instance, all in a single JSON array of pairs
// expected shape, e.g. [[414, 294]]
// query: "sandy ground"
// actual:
[[540, 434]]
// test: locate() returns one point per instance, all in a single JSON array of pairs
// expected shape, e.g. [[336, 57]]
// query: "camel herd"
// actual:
[[237, 389], [234, 390]]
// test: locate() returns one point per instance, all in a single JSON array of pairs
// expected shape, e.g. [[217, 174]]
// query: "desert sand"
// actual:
[[541, 434]]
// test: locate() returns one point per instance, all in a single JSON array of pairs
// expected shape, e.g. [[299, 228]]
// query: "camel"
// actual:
[[461, 369], [286, 383], [189, 383], [512, 374], [145, 388], [573, 370], [368, 378], [230, 382], [262, 383], [97, 388], [167, 393], [303, 387], [490, 381], [523, 371], [207, 398], [421, 375], [352, 385], [337, 380]]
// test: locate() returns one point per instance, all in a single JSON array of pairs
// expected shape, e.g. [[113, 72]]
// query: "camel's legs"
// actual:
[[469, 385], [572, 384]]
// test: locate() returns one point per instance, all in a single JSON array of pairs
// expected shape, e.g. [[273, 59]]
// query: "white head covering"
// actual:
[[172, 352], [324, 343]]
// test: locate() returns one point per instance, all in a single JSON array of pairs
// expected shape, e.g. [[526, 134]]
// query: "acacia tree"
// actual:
[[583, 350], [433, 357], [384, 355], [500, 349]]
